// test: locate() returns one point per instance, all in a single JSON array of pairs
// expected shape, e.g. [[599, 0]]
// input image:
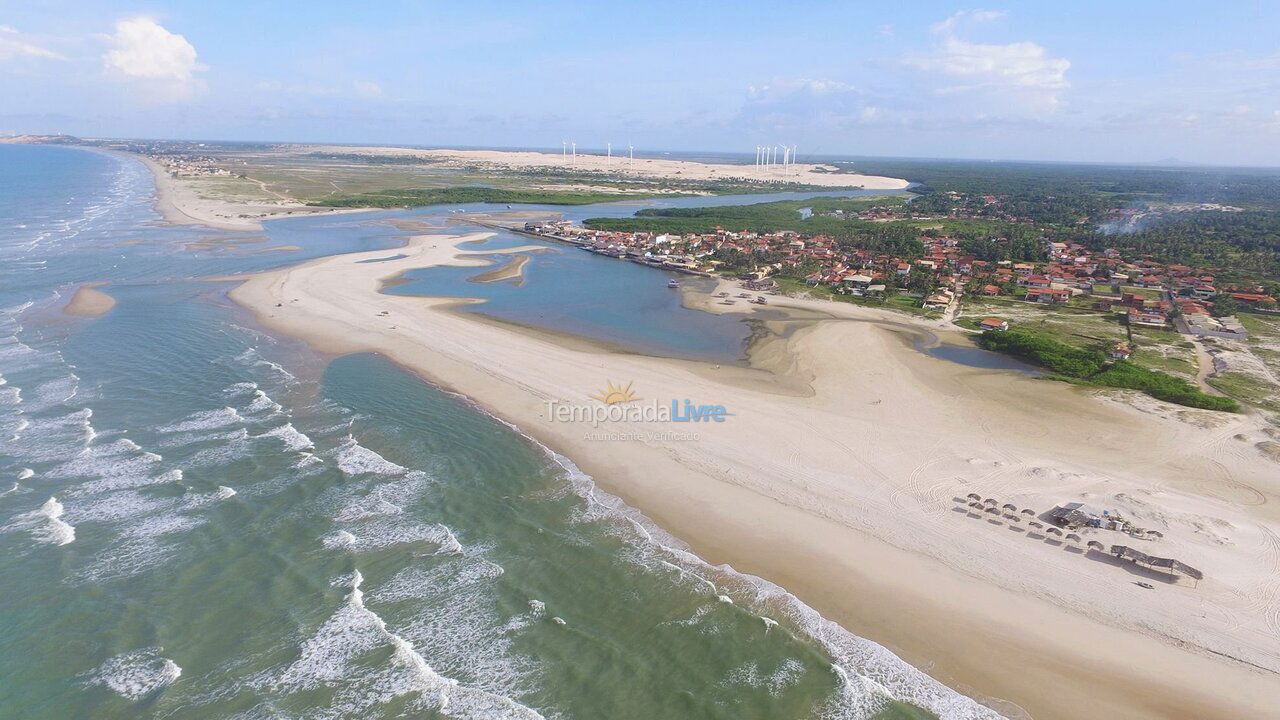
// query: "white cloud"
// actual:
[[950, 23], [1022, 64], [143, 50], [788, 88], [14, 45], [366, 89], [1023, 69]]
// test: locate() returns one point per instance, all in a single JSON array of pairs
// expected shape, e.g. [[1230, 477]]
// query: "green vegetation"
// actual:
[[829, 217], [1250, 389], [1090, 366], [469, 194]]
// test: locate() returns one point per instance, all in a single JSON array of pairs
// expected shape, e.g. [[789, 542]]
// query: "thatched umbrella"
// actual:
[[1014, 518], [1155, 533], [1055, 531], [1095, 545], [1009, 506], [992, 510], [1028, 512], [1036, 525], [990, 501], [974, 496], [1073, 537], [975, 505]]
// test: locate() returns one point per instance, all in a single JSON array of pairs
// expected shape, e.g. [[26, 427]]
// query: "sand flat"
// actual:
[[836, 478], [620, 167], [89, 301]]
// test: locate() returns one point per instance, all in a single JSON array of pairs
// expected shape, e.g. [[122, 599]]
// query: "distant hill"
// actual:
[[40, 140]]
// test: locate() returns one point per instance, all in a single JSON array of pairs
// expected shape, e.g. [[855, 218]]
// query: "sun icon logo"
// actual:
[[616, 394]]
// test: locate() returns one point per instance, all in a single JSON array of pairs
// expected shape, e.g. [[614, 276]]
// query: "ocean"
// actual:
[[201, 520]]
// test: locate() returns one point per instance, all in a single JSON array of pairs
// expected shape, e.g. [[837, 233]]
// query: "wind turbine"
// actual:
[[564, 149], [608, 150], [631, 156]]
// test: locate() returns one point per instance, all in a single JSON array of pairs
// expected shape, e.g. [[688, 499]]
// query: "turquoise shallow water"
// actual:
[[199, 520]]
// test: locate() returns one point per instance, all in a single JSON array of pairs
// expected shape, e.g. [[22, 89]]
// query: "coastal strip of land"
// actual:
[[617, 166], [182, 202], [841, 476], [89, 301], [510, 270]]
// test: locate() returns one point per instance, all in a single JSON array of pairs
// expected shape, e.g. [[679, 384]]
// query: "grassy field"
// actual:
[[1248, 388], [1154, 349]]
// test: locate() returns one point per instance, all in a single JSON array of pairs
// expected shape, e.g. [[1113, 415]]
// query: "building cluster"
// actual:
[[188, 165], [1102, 280]]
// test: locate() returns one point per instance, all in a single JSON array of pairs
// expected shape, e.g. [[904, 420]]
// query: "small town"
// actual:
[[1148, 293]]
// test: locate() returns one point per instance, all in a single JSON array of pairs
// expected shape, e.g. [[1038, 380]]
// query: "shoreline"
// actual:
[[180, 204], [734, 500]]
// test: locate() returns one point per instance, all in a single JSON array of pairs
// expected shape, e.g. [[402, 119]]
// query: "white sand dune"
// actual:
[[835, 479]]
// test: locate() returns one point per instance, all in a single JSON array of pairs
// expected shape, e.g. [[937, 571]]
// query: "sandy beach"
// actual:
[[838, 474], [619, 166], [182, 201]]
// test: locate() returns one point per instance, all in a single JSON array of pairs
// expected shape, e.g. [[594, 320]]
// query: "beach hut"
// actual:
[[1054, 531], [1036, 525], [1010, 507], [1028, 512], [1073, 537], [1155, 533], [993, 511], [990, 501], [1095, 545], [974, 496]]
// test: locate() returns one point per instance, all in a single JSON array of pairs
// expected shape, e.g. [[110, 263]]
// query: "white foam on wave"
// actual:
[[13, 489], [225, 493], [26, 473], [293, 439], [45, 524], [204, 420], [355, 459], [262, 403], [253, 358], [138, 674], [53, 392], [332, 656], [239, 389], [118, 465]]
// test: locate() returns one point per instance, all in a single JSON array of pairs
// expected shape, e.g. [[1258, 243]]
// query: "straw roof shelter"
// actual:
[[1169, 565], [1028, 512]]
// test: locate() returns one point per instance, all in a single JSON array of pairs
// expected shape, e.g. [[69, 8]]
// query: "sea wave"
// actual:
[[331, 658], [138, 674], [45, 524]]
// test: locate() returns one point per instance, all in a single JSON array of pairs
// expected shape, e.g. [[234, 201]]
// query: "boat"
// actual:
[[1148, 586], [673, 284]]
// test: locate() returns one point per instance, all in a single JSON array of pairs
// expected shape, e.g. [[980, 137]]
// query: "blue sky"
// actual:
[[1096, 81]]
